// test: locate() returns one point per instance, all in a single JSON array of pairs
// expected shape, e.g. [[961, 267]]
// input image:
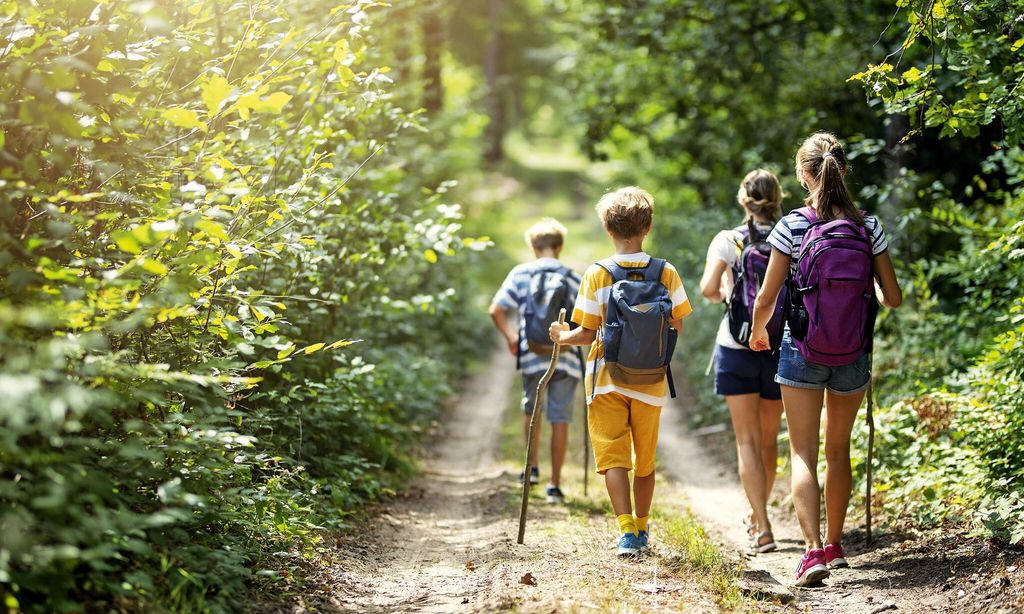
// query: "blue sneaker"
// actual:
[[643, 540], [629, 545]]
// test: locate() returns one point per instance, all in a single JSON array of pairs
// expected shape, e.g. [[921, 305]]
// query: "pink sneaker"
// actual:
[[835, 557], [812, 568]]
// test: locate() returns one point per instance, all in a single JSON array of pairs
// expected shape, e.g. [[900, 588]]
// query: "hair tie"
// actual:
[[827, 155]]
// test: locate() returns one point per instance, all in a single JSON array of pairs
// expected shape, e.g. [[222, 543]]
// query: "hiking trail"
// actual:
[[448, 544], [911, 572]]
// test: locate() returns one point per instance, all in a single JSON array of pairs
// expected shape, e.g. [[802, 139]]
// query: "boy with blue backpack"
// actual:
[[538, 290], [629, 310]]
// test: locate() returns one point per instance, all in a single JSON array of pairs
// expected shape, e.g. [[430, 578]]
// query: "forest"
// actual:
[[246, 250]]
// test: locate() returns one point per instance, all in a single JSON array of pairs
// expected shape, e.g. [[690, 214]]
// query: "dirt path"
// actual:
[[449, 544], [918, 572]]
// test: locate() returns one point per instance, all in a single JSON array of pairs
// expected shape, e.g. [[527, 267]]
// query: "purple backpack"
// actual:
[[833, 300], [748, 276]]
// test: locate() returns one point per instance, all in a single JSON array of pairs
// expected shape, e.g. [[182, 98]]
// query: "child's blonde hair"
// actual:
[[548, 233], [761, 194], [626, 212]]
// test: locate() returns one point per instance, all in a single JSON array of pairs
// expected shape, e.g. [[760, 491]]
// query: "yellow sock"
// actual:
[[626, 523], [641, 522]]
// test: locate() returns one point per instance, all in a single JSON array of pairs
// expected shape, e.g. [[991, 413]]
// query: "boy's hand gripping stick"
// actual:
[[539, 401]]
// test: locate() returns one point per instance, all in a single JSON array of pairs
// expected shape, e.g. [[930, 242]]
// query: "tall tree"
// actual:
[[492, 74]]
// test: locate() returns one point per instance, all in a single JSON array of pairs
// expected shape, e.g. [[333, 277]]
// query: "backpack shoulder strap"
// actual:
[[654, 268], [617, 272], [808, 213]]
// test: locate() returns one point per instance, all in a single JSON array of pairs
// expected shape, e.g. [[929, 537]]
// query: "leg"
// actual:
[[561, 397], [608, 420], [803, 414], [771, 417], [643, 494], [559, 444], [643, 423], [616, 480], [743, 409], [842, 413]]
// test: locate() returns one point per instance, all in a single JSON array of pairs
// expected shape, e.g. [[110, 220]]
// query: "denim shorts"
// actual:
[[746, 372], [798, 372], [561, 390]]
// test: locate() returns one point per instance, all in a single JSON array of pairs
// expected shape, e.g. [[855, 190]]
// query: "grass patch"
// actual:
[[692, 552]]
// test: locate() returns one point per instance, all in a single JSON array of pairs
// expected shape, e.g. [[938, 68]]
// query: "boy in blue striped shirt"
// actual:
[[546, 238]]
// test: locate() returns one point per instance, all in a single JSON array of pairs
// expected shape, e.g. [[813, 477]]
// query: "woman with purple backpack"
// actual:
[[736, 264], [834, 260]]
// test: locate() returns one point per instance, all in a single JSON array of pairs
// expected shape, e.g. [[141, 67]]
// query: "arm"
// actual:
[[561, 335], [711, 282], [677, 324], [764, 304], [500, 318], [887, 287]]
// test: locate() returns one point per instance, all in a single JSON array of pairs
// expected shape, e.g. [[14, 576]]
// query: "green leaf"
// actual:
[[153, 266], [273, 103], [340, 51], [183, 118], [345, 75], [309, 349], [215, 91], [340, 343], [214, 229], [126, 242]]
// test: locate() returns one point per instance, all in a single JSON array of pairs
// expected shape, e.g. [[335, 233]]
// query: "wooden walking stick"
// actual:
[[538, 403], [871, 446], [586, 449], [586, 427]]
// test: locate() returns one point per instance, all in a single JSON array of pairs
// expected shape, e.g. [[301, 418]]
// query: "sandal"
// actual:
[[757, 546], [749, 524]]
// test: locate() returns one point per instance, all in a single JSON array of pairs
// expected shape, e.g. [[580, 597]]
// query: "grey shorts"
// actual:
[[561, 390]]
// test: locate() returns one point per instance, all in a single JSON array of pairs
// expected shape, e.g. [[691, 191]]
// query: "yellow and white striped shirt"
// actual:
[[589, 312]]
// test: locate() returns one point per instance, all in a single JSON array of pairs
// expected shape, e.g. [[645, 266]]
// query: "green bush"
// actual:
[[227, 312]]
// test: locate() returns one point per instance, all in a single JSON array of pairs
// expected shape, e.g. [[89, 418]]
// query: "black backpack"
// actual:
[[748, 277]]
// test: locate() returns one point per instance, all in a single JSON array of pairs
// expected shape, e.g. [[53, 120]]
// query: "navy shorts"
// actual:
[[798, 372], [561, 392], [746, 372]]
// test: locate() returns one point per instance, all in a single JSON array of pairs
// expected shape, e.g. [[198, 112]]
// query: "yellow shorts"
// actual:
[[624, 433]]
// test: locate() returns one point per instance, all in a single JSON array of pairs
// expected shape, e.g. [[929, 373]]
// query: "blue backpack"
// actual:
[[637, 336], [549, 292]]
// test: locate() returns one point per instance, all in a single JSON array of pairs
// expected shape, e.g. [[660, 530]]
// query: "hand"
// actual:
[[556, 332], [513, 345], [759, 340]]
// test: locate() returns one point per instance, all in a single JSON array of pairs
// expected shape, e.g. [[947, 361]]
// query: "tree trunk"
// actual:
[[492, 74], [433, 45]]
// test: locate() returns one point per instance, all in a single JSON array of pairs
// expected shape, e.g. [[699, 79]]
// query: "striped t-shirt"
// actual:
[[591, 305], [512, 295], [788, 235]]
